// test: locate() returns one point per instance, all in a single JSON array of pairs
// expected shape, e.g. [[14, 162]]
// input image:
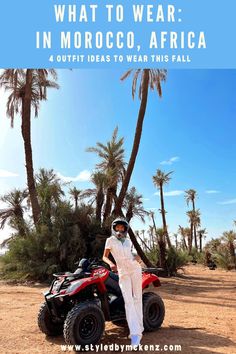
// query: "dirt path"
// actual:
[[200, 316]]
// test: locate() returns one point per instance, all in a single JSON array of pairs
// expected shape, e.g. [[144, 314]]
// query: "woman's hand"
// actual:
[[108, 261], [113, 267], [137, 258]]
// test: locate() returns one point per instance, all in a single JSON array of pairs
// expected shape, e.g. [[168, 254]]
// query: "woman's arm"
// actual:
[[107, 260], [136, 257], [139, 260]]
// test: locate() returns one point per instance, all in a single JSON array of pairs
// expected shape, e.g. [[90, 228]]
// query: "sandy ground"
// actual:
[[200, 316]]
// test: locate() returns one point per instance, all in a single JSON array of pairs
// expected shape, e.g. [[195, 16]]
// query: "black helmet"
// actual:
[[120, 221]]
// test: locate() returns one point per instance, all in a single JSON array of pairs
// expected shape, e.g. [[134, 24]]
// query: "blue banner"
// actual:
[[109, 34]]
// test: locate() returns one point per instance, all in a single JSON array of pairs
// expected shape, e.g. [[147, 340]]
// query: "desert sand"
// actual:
[[200, 316]]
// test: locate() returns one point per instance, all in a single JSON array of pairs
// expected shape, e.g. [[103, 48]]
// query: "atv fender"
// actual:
[[78, 285], [149, 278]]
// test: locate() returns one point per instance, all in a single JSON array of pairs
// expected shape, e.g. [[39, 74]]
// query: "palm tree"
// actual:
[[213, 245], [161, 242], [14, 211], [196, 225], [76, 194], [27, 88], [144, 240], [133, 205], [101, 182], [112, 164], [184, 232], [201, 234], [176, 240], [151, 232], [146, 247], [194, 220], [152, 216], [190, 196], [162, 247], [149, 78], [230, 237], [159, 180], [49, 190], [160, 237]]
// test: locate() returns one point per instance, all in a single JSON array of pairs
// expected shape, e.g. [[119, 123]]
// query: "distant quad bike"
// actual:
[[78, 304]]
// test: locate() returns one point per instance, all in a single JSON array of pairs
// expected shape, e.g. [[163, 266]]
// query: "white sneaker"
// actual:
[[135, 340]]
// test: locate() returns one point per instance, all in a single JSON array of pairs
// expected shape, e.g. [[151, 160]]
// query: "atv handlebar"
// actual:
[[96, 263]]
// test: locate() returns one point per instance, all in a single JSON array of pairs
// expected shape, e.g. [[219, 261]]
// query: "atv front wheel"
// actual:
[[84, 324], [46, 324], [153, 311]]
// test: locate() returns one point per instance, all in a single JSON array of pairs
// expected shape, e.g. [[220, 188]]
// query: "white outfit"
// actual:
[[130, 281]]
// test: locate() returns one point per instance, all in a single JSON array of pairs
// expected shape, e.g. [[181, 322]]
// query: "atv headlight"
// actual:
[[74, 286], [57, 285]]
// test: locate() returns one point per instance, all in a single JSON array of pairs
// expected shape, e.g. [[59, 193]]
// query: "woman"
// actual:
[[130, 276]]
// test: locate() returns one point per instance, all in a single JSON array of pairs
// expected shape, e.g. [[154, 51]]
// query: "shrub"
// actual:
[[175, 260], [42, 253], [223, 260], [153, 255]]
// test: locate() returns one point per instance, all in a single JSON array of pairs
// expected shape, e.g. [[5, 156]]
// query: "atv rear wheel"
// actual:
[[46, 324], [84, 324], [153, 311]]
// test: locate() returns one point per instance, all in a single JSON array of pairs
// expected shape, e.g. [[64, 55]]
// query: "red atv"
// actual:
[[78, 304]]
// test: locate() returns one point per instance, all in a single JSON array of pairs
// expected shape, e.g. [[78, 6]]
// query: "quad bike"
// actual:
[[78, 304]]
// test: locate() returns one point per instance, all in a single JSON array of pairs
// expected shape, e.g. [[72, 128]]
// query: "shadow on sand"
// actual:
[[192, 340]]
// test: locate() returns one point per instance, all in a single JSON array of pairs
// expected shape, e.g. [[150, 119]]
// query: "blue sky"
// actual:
[[190, 131]]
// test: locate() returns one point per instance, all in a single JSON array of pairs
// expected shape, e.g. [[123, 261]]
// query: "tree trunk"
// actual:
[[108, 204], [152, 238], [190, 238], [129, 214], [161, 246], [232, 253], [195, 229], [136, 143], [200, 242], [176, 242], [154, 224], [139, 249], [26, 134], [164, 217], [20, 222], [195, 237], [99, 204], [76, 202], [48, 213], [184, 243], [144, 243], [162, 256]]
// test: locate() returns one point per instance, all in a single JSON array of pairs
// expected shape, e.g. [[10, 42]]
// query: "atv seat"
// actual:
[[114, 276], [62, 274], [69, 275], [153, 270]]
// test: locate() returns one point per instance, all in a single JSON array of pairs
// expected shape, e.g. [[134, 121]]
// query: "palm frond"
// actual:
[[126, 74]]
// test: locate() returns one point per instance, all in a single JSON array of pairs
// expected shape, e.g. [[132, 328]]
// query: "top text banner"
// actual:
[[110, 34]]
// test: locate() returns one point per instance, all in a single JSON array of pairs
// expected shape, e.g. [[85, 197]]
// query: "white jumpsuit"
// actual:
[[130, 281]]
